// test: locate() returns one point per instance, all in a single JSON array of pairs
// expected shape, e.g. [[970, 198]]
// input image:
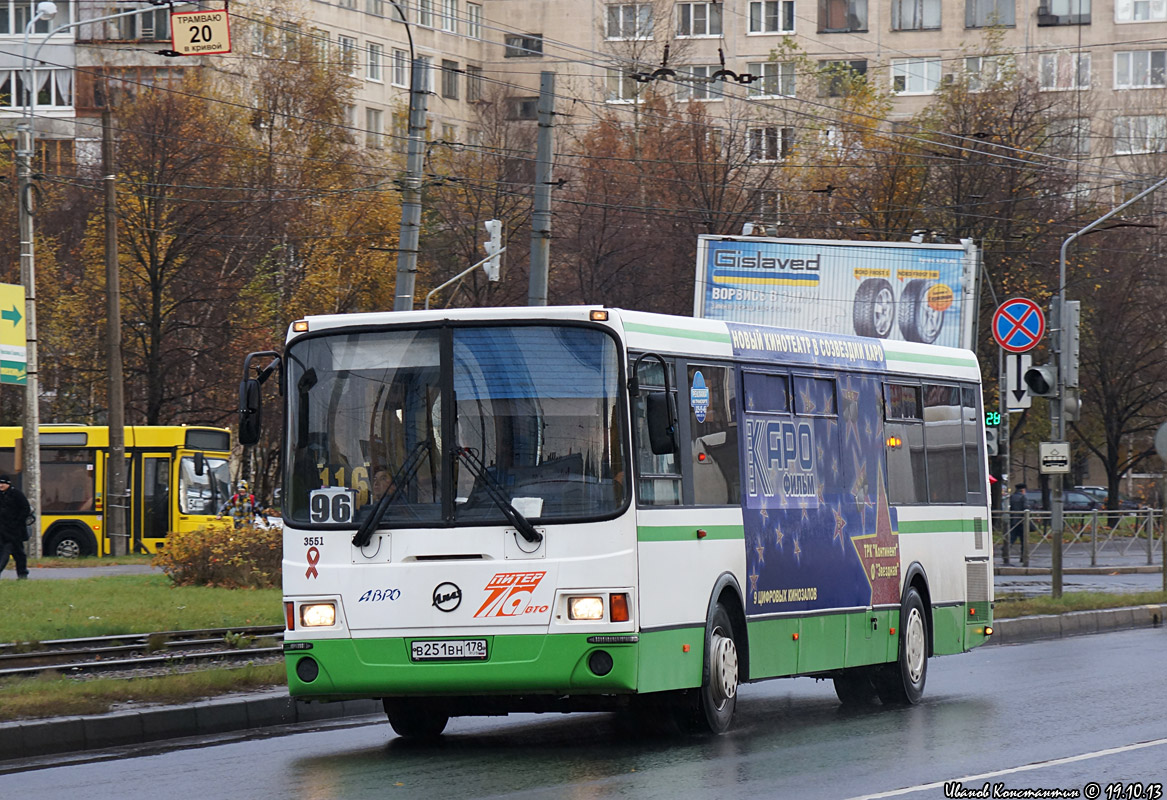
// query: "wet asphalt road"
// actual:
[[1056, 714]]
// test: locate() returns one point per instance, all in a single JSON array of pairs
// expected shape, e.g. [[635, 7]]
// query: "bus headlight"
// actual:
[[585, 608], [318, 615]]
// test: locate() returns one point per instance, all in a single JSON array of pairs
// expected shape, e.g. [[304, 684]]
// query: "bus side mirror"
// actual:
[[200, 464], [250, 407], [661, 414]]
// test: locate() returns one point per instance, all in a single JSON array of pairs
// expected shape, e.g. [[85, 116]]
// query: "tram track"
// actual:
[[139, 653]]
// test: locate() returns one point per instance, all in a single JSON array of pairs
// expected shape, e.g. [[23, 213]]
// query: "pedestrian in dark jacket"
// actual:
[[14, 511]]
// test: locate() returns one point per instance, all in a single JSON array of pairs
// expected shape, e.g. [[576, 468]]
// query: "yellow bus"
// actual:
[[177, 478]]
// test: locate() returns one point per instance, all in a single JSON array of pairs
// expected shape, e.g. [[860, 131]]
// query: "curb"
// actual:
[[46, 737], [1131, 570], [43, 737], [1020, 630]]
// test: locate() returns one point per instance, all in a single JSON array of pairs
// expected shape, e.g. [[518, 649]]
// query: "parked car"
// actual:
[[1100, 494], [1072, 500]]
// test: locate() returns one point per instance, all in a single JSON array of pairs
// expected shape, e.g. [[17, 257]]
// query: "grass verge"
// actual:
[[65, 609], [1006, 606], [56, 696]]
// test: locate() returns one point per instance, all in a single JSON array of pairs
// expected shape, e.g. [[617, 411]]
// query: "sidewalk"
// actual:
[[245, 714]]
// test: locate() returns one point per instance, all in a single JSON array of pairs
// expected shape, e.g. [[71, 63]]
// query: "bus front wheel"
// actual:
[[710, 708], [902, 681], [414, 718]]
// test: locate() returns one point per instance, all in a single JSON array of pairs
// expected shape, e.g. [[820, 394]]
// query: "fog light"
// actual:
[[318, 615], [600, 662], [307, 669], [585, 608]]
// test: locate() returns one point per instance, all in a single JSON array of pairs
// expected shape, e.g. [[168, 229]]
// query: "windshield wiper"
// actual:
[[496, 493], [402, 478]]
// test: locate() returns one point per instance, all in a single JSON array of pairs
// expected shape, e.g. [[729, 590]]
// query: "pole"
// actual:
[[1003, 454], [541, 217], [411, 194], [30, 466], [1061, 342], [115, 497]]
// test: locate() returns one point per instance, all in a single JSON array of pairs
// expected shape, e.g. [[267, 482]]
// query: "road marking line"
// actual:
[[1013, 770]]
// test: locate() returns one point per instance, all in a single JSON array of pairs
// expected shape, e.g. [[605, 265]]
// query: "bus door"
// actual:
[[150, 495]]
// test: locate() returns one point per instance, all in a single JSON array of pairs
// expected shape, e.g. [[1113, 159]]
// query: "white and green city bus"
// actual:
[[580, 508]]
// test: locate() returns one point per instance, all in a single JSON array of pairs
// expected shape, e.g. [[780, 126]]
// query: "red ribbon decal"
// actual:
[[313, 560]]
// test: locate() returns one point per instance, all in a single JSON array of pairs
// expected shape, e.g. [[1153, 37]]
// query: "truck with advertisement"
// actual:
[[904, 291]]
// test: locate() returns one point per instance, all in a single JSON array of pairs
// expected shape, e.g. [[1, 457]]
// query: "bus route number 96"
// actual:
[[333, 504]]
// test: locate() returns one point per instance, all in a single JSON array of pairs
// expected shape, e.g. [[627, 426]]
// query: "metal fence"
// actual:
[[1126, 534]]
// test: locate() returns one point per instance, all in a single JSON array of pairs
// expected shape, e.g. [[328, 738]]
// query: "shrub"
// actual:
[[247, 556]]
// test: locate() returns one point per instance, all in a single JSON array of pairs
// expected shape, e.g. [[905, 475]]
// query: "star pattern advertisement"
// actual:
[[819, 530]]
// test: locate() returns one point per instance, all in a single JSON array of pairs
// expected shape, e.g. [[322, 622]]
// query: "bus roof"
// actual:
[[688, 335], [157, 436]]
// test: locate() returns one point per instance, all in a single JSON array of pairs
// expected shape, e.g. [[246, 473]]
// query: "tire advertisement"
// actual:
[[899, 291]]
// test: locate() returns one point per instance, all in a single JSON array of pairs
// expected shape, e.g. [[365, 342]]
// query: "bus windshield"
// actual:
[[536, 405]]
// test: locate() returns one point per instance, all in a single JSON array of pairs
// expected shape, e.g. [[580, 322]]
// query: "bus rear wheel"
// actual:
[[901, 682], [414, 718], [854, 687], [69, 542]]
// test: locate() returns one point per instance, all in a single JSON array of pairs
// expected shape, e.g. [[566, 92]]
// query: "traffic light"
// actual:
[[1042, 381], [493, 247], [991, 441]]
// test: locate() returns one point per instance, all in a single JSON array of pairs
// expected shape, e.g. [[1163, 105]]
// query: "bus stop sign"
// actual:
[[1018, 325]]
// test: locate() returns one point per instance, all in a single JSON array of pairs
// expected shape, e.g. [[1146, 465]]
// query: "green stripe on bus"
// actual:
[[919, 358], [686, 533], [680, 333], [936, 526]]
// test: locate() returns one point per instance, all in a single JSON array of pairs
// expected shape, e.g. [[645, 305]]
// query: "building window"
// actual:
[[151, 26], [698, 19], [374, 132], [693, 83], [474, 20], [777, 79], [766, 206], [54, 88], [346, 47], [771, 143], [1141, 134], [473, 83], [842, 16], [523, 108], [915, 75], [988, 13], [1139, 69], [376, 7], [424, 65], [425, 13], [400, 75], [15, 14], [449, 79], [450, 16], [528, 45], [621, 87], [348, 3], [772, 16], [629, 21], [1139, 10], [837, 78], [1069, 137], [983, 71], [1065, 70], [915, 15], [1063, 12], [373, 66], [350, 123]]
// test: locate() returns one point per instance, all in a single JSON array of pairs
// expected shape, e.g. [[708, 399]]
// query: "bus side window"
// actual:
[[944, 442], [904, 433], [658, 477], [973, 433], [713, 434]]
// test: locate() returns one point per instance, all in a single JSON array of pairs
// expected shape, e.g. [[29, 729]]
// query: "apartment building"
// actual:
[[1108, 60]]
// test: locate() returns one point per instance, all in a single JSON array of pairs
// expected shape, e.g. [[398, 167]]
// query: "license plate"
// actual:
[[470, 649]]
